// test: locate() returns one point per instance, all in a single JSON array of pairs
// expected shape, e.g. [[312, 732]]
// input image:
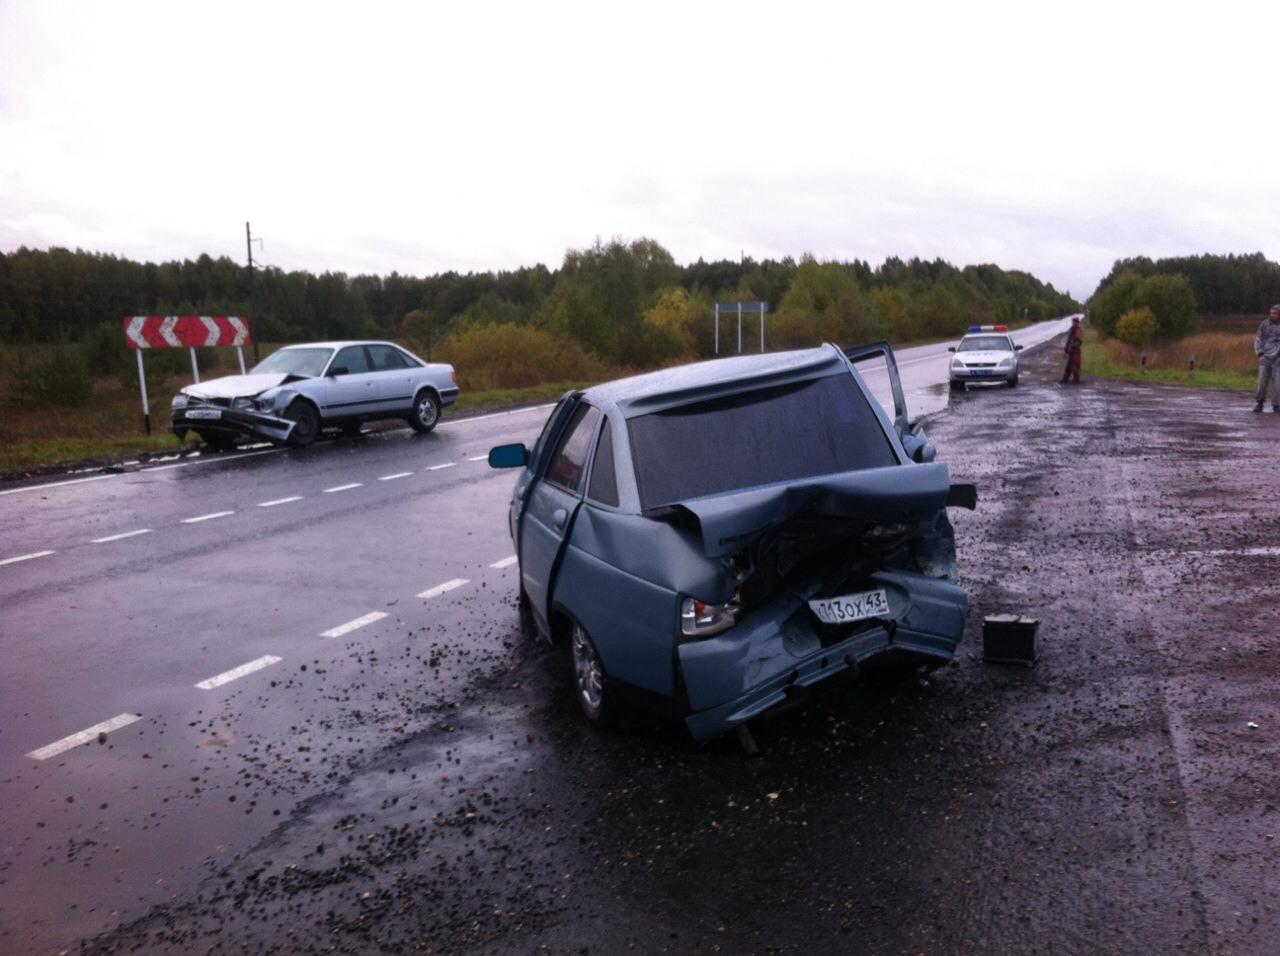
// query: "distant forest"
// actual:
[[1223, 285], [613, 306]]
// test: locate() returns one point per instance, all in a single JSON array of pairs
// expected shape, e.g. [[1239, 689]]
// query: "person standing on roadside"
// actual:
[[1267, 344], [1075, 352]]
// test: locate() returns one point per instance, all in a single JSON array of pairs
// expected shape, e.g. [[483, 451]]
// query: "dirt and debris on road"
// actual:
[[1118, 797]]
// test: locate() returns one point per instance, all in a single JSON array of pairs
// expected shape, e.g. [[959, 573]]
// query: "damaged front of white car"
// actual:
[[267, 403]]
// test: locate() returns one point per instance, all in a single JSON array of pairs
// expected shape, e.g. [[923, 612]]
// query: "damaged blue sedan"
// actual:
[[714, 539]]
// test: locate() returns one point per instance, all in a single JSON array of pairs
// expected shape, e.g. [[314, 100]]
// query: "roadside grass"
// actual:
[[1223, 360]]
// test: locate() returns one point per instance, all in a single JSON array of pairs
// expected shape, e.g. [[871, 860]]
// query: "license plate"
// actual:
[[981, 371], [203, 413], [851, 607]]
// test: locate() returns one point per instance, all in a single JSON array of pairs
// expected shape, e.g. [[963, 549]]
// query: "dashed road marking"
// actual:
[[354, 484], [505, 562], [226, 677], [84, 736], [279, 501], [447, 464], [444, 588], [122, 536], [27, 557], [399, 474], [484, 457], [208, 517], [354, 625]]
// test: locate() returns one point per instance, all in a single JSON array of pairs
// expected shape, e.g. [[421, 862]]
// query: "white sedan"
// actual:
[[300, 389], [985, 355]]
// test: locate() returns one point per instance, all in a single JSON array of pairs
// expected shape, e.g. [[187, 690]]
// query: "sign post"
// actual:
[[176, 331], [739, 308]]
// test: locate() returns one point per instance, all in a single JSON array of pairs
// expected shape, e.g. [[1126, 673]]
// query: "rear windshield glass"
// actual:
[[295, 362], [818, 427], [985, 343]]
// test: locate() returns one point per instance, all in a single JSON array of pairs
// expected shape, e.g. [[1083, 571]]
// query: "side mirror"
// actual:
[[1017, 348], [339, 370], [508, 456], [953, 348]]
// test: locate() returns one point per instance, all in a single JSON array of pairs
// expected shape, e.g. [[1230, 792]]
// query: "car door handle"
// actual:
[[559, 517]]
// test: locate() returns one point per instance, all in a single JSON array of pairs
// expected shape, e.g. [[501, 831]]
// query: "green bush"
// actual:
[[516, 356], [1137, 326], [60, 378], [1169, 298]]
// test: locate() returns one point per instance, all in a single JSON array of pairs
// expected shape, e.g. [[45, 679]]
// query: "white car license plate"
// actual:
[[204, 413], [851, 607]]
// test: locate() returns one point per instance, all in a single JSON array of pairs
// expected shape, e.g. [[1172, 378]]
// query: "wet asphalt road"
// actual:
[[421, 783]]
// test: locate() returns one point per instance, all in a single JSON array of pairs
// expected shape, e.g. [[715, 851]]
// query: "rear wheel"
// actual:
[[306, 421], [350, 429], [590, 685], [426, 411]]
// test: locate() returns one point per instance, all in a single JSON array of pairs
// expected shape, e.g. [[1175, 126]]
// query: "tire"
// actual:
[[589, 681], [425, 414], [957, 386], [350, 429], [218, 441], [1013, 382], [306, 423]]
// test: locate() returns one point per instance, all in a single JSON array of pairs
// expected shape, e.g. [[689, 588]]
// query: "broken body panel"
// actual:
[[622, 569]]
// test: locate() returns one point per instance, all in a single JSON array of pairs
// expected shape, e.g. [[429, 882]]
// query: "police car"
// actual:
[[986, 355]]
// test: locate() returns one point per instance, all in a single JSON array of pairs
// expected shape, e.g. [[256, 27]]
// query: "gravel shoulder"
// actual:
[[1118, 797]]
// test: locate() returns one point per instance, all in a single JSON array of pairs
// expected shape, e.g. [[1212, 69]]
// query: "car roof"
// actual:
[[685, 383], [336, 345]]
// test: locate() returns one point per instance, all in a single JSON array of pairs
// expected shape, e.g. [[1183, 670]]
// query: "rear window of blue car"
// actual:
[[819, 427]]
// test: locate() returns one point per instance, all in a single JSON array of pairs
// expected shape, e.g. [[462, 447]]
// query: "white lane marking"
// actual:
[[444, 588], [57, 484], [1223, 552], [208, 517], [122, 536], [399, 474], [84, 736], [354, 484], [27, 557], [484, 457], [505, 562], [226, 677], [354, 625], [447, 464], [279, 501]]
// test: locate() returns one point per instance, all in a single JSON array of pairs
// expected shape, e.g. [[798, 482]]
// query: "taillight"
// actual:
[[702, 619]]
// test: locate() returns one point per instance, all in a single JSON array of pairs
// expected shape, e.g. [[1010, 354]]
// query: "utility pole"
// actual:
[[248, 245]]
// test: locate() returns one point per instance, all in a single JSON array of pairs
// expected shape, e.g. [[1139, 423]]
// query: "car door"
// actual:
[[348, 384], [551, 502], [392, 380]]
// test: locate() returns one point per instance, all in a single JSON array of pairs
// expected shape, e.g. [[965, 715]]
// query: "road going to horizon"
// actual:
[[191, 649]]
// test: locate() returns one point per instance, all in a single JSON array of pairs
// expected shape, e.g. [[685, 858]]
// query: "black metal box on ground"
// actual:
[[1009, 639]]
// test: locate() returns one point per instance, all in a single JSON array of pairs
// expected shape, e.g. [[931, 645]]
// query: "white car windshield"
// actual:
[[308, 362], [985, 343]]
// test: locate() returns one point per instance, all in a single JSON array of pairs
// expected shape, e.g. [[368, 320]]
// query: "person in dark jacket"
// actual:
[[1075, 351], [1267, 346]]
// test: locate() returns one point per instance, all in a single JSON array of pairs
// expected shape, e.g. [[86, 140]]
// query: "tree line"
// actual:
[[1221, 285], [614, 304]]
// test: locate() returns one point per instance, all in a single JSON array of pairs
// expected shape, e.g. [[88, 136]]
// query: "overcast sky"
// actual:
[[419, 137]]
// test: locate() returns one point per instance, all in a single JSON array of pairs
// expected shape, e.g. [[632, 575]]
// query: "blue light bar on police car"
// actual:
[[988, 328]]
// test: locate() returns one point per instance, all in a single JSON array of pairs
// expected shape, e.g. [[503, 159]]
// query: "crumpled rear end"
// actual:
[[780, 647]]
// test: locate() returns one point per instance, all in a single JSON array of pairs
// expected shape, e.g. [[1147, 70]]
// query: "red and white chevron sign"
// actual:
[[185, 331]]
